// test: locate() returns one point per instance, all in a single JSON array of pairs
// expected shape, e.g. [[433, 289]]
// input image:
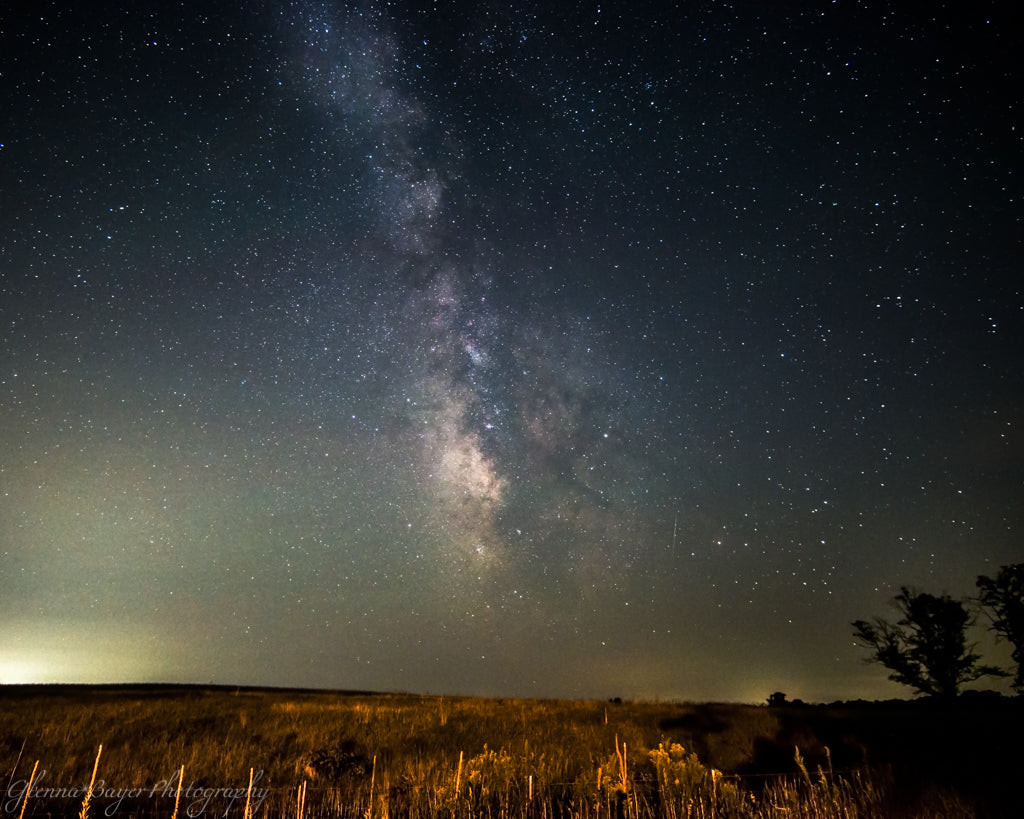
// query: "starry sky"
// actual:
[[516, 349]]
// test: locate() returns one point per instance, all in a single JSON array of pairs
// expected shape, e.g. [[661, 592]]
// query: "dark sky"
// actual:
[[557, 349]]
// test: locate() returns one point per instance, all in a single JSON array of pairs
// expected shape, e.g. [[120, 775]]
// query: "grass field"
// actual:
[[279, 753]]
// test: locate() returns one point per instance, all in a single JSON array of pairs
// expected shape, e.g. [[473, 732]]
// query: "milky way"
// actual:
[[502, 351]]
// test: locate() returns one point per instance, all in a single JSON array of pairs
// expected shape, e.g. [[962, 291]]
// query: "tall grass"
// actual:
[[317, 756], [84, 813], [28, 790]]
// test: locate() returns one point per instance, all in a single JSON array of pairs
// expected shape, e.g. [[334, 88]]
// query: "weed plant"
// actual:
[[313, 755]]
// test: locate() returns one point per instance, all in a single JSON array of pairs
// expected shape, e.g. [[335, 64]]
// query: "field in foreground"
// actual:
[[303, 754]]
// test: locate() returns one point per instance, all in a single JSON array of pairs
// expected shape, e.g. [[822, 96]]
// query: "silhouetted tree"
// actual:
[[927, 647], [1002, 598]]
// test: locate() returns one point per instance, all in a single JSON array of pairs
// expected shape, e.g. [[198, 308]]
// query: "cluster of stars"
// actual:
[[512, 352]]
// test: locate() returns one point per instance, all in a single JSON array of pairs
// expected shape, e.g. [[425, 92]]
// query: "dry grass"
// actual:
[[255, 754]]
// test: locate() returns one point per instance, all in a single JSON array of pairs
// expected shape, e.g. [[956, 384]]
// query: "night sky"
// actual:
[[518, 349]]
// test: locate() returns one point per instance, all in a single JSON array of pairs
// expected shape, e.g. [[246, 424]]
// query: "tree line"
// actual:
[[927, 648]]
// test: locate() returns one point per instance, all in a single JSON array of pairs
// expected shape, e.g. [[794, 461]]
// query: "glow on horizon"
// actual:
[[60, 652], [24, 671]]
